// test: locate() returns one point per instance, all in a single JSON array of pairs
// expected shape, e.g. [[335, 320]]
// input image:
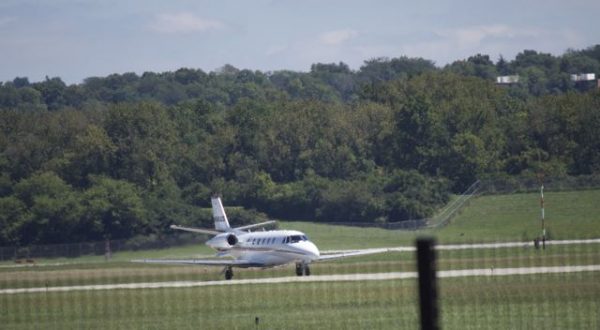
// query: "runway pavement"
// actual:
[[314, 278], [475, 246], [387, 249], [350, 277]]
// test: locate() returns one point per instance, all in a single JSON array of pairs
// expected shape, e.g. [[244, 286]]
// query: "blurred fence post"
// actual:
[[427, 283]]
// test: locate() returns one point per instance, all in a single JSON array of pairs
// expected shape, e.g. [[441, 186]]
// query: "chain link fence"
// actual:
[[490, 186], [105, 248], [503, 285]]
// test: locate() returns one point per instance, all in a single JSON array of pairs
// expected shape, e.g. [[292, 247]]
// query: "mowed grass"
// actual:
[[112, 273], [516, 217], [486, 218], [559, 301], [568, 215], [493, 218]]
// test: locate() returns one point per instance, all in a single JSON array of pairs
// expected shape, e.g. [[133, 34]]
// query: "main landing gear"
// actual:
[[228, 273], [302, 269]]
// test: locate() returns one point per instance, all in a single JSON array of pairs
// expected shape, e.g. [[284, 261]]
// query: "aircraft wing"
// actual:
[[346, 254], [202, 262]]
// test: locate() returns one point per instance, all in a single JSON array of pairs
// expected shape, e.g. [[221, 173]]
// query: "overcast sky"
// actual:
[[75, 39]]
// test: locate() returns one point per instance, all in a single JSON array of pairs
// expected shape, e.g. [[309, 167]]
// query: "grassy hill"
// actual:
[[569, 215], [515, 217]]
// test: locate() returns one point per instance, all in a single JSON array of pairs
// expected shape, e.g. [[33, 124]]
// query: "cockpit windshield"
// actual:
[[296, 238]]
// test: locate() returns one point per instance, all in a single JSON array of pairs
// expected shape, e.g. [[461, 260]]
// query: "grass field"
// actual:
[[559, 301], [124, 272], [515, 217], [569, 215]]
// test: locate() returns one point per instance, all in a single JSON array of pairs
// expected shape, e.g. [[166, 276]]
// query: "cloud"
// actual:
[[337, 37], [475, 35], [448, 45], [276, 49], [184, 23], [7, 20]]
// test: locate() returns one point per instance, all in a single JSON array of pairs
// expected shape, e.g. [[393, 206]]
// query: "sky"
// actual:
[[77, 39]]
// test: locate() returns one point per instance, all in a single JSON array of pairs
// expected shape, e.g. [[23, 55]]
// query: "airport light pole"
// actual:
[[541, 180]]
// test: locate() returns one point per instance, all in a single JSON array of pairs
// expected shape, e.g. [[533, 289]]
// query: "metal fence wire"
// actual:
[[502, 285], [481, 282]]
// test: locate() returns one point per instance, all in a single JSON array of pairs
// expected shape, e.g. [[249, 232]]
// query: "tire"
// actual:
[[299, 269]]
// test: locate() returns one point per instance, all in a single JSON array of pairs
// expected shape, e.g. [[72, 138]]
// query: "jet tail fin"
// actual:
[[219, 216], [222, 223]]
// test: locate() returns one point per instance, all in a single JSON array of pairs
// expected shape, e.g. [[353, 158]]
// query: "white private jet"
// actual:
[[255, 249]]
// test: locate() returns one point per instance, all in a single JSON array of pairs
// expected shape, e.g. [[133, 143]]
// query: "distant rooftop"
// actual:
[[583, 77], [507, 80]]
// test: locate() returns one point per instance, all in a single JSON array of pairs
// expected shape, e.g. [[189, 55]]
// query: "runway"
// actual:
[[475, 246], [386, 249], [314, 278]]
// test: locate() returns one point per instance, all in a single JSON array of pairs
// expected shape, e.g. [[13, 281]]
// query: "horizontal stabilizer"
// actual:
[[196, 230], [262, 224]]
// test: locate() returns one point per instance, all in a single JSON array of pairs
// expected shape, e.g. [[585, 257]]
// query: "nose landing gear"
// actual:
[[228, 273], [302, 269]]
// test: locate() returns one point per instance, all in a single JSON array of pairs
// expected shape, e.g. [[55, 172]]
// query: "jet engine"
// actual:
[[232, 239], [223, 241]]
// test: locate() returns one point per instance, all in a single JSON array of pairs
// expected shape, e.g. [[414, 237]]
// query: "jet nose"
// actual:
[[314, 251]]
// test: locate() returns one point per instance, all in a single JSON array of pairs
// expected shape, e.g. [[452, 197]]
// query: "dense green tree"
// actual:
[[385, 69], [113, 209], [339, 76], [144, 138], [127, 155], [53, 210], [13, 215], [479, 66], [53, 92], [92, 153], [442, 118]]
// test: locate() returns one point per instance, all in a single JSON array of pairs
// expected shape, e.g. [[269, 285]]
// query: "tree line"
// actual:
[[126, 155]]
